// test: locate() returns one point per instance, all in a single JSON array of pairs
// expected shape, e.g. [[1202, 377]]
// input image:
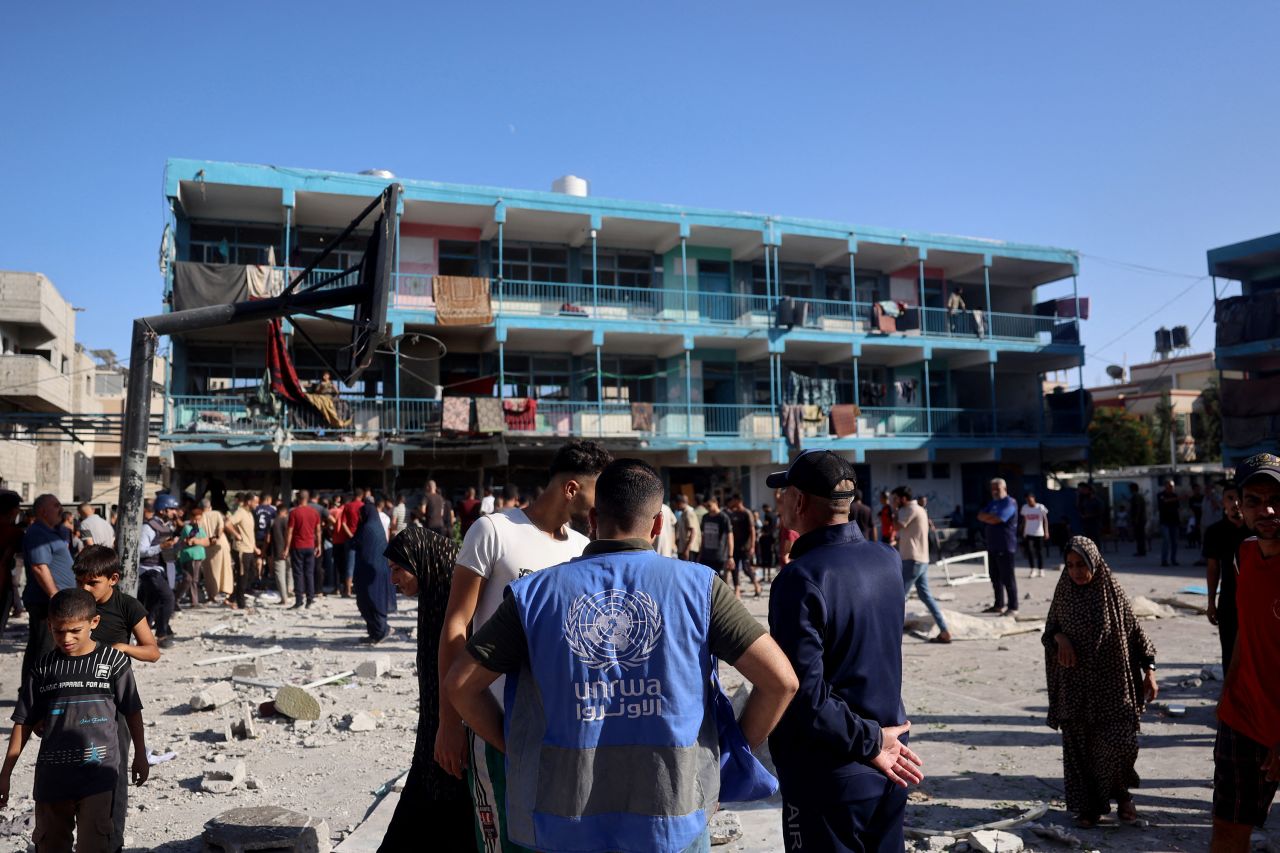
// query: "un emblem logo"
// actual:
[[613, 627]]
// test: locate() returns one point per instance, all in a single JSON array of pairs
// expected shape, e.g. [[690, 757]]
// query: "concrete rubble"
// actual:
[[725, 827], [223, 779], [266, 828], [995, 841], [215, 695], [375, 667], [361, 721]]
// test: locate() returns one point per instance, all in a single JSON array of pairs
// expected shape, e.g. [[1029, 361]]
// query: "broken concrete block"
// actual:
[[374, 667], [725, 827], [245, 670], [223, 781], [362, 721], [297, 703], [1145, 608], [251, 783], [939, 843], [243, 728], [219, 693], [995, 841], [266, 828]]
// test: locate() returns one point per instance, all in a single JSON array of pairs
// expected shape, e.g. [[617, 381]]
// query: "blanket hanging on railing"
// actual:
[[804, 390], [521, 414], [284, 379], [462, 300]]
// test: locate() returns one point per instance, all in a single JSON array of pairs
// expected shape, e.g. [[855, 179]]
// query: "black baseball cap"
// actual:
[[816, 472], [1258, 465]]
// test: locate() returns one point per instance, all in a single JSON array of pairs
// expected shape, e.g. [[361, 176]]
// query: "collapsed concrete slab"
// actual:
[[223, 780], [213, 696], [265, 828]]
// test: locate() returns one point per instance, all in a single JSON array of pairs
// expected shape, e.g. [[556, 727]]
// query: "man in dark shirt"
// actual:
[[276, 541], [1000, 518], [1167, 510], [717, 542], [468, 510], [1090, 509], [439, 513], [860, 514], [743, 523], [1221, 543], [837, 613], [520, 641], [1138, 518], [48, 563]]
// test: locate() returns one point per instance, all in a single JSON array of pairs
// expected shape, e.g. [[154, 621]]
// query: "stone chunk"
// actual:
[[245, 670], [243, 728], [374, 667], [995, 841], [216, 694], [725, 828], [297, 703], [265, 828], [222, 781], [362, 721]]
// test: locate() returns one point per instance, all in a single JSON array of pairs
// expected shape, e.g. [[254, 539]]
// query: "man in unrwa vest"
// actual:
[[837, 611], [609, 730], [498, 549]]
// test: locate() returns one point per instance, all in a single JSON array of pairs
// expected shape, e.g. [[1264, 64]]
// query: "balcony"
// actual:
[[31, 382], [30, 300], [730, 425]]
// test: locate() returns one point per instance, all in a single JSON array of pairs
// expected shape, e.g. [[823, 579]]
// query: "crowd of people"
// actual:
[[580, 708]]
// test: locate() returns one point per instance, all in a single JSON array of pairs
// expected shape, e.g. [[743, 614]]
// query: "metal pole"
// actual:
[[769, 301], [501, 267], [853, 297], [928, 400], [502, 368], [688, 392], [857, 392], [599, 393], [684, 274], [133, 462], [922, 324], [595, 272], [397, 386], [986, 284], [991, 374]]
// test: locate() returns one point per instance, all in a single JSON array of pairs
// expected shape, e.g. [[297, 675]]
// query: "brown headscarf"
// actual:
[[1111, 648]]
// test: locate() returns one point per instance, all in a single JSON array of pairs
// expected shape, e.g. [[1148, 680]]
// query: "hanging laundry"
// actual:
[[804, 390], [642, 417], [791, 425], [979, 322], [489, 415], [457, 414], [906, 389], [462, 300], [844, 419], [521, 414]]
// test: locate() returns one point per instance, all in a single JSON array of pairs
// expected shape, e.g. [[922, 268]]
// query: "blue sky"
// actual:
[[1142, 133]]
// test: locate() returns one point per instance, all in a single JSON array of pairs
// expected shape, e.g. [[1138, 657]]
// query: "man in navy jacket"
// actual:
[[837, 613]]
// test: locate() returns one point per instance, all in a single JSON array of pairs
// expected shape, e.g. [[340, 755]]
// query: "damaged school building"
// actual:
[[712, 343]]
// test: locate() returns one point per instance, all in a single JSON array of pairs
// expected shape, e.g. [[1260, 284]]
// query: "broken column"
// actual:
[[219, 693]]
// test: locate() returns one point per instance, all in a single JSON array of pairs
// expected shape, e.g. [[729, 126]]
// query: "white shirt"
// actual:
[[1034, 520], [386, 523], [505, 546], [486, 504], [397, 515], [666, 545], [99, 530]]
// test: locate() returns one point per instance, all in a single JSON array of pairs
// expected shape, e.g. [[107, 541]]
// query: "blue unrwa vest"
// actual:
[[615, 746]]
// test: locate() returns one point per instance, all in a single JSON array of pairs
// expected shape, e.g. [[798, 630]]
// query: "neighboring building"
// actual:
[[676, 334], [110, 380], [1183, 378], [38, 364], [1248, 341]]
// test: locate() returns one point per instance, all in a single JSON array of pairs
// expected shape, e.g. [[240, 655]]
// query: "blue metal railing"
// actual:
[[224, 414]]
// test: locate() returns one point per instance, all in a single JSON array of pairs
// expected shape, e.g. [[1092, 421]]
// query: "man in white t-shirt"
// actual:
[[498, 549], [913, 545], [1035, 527]]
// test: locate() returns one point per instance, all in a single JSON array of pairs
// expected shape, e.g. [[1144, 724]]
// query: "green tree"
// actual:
[[1163, 423], [1207, 427], [1118, 439]]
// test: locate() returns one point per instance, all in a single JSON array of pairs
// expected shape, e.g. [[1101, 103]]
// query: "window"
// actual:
[[942, 470], [541, 377], [625, 380], [797, 281], [620, 269], [459, 258], [534, 263], [837, 288], [312, 243], [215, 243], [917, 470]]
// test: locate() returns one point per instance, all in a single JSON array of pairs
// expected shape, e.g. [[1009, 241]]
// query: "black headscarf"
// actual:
[[428, 556], [1111, 647]]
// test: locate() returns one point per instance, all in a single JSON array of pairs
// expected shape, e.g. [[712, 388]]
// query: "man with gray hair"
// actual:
[[1000, 516], [94, 529], [47, 558]]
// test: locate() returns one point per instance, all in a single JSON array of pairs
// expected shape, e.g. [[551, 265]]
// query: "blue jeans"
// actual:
[[702, 845], [916, 573], [1168, 543], [349, 561]]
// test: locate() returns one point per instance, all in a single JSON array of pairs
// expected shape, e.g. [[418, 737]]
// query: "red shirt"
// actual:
[[348, 520], [303, 522], [1250, 701], [887, 525], [468, 512]]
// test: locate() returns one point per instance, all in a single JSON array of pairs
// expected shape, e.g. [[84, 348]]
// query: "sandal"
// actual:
[[938, 639], [1086, 822], [1127, 811]]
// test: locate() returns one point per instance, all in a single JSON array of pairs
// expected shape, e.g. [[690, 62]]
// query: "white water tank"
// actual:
[[570, 185]]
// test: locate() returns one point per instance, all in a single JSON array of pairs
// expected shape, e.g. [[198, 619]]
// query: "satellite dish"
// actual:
[[1115, 371]]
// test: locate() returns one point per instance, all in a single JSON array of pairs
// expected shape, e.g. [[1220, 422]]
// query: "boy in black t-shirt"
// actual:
[[121, 617], [76, 691]]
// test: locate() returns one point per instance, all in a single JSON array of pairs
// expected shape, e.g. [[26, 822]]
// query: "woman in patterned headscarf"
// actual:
[[422, 564], [1101, 672]]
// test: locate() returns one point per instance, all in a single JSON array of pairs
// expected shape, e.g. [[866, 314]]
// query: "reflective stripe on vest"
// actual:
[[611, 733]]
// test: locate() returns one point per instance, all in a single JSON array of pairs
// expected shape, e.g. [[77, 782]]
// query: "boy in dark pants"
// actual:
[[120, 618], [76, 692]]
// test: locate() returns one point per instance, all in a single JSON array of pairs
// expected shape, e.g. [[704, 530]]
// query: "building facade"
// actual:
[[712, 343], [1248, 342]]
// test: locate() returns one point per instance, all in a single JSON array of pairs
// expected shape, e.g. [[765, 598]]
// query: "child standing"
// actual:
[[76, 691], [121, 618]]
